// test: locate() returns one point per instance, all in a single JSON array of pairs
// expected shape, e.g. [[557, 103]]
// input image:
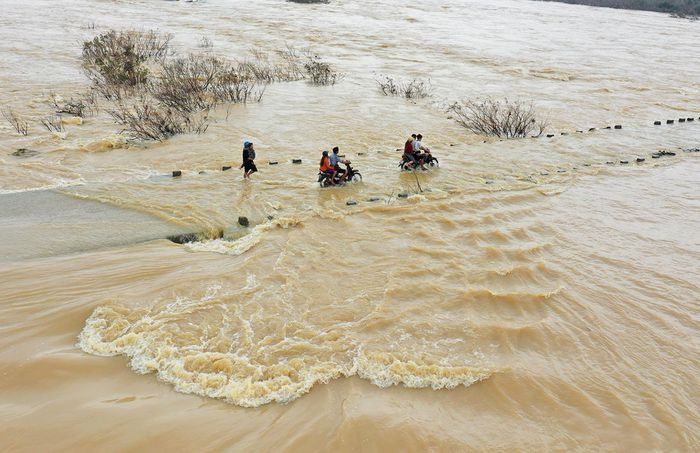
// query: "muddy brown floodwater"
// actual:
[[533, 297]]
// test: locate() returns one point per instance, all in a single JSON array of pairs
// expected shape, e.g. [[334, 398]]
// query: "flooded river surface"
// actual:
[[533, 294]]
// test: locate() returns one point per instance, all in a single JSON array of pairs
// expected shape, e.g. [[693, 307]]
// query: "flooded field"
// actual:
[[532, 294]]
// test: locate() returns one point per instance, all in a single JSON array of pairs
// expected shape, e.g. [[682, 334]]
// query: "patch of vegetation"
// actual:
[[155, 94], [320, 72], [205, 43], [503, 119], [679, 8], [145, 120], [118, 58], [285, 66], [412, 89], [81, 107], [201, 82]]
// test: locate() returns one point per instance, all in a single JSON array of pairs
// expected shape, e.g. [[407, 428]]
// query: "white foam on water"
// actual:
[[229, 365]]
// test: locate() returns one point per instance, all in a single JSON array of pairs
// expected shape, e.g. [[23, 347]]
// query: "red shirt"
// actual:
[[325, 163], [408, 147]]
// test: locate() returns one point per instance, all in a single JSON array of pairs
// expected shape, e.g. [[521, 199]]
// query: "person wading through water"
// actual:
[[248, 164]]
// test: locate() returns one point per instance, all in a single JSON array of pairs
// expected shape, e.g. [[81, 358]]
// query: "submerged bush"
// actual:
[[118, 57], [412, 89], [502, 119], [155, 97], [201, 82], [286, 67], [77, 107], [146, 120], [320, 72], [179, 99]]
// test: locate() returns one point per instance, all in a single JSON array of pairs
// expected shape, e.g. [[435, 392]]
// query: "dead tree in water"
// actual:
[[502, 119]]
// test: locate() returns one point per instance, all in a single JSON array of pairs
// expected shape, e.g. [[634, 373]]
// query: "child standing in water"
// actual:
[[248, 164]]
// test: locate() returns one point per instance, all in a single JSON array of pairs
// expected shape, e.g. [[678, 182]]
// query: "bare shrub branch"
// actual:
[[144, 120], [286, 67], [502, 119], [205, 43], [16, 121], [76, 107], [320, 72], [412, 89], [53, 123], [201, 82]]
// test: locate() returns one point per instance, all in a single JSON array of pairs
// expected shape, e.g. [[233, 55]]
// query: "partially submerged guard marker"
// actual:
[[177, 173], [657, 123], [591, 129], [691, 119], [681, 120], [243, 221], [225, 167], [272, 162], [669, 121], [618, 126], [296, 161]]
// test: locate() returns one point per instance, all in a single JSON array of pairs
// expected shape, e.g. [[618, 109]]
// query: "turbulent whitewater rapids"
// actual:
[[539, 293]]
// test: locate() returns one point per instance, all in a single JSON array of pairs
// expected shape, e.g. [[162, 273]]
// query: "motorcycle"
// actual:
[[428, 159], [324, 179]]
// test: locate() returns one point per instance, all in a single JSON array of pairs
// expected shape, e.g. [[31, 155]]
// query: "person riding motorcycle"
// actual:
[[409, 154], [335, 161], [326, 167], [426, 156]]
